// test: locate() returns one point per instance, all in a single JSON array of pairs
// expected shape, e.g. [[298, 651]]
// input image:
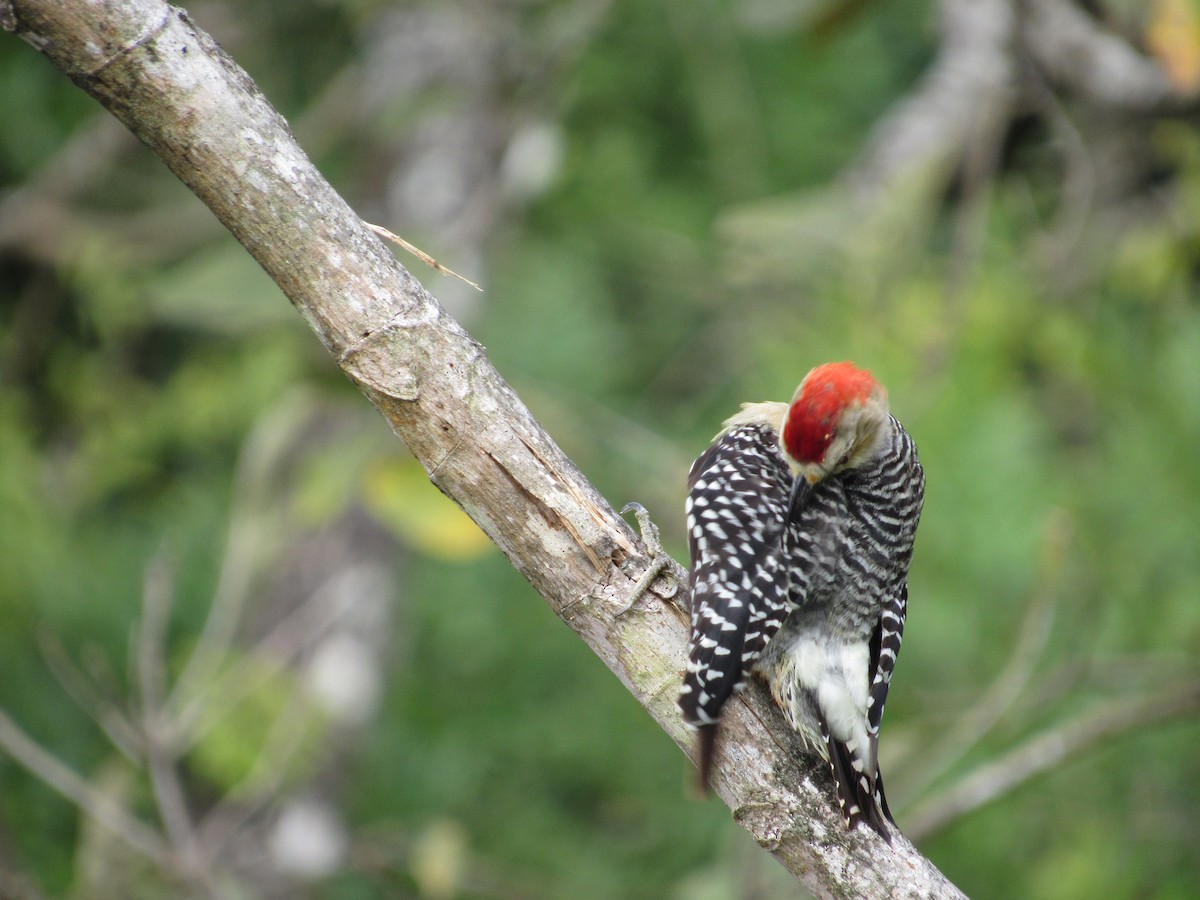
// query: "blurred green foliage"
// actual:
[[689, 255]]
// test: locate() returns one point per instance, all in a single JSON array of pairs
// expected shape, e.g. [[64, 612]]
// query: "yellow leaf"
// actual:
[[1173, 38], [439, 859], [397, 491]]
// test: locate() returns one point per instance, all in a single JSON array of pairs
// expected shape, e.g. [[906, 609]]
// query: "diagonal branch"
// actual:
[[173, 87], [1049, 749], [998, 699], [102, 807]]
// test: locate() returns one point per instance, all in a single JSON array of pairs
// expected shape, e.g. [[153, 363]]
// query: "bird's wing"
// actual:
[[739, 491]]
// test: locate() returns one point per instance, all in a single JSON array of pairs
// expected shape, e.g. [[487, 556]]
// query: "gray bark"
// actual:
[[174, 88]]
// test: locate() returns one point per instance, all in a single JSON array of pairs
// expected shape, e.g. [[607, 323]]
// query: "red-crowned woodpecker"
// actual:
[[801, 518]]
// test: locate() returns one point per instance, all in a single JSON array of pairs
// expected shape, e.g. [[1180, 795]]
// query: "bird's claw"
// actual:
[[660, 562]]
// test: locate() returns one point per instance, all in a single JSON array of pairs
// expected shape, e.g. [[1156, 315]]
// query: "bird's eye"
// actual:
[[845, 459]]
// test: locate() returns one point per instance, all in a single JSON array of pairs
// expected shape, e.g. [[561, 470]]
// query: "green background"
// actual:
[[693, 246]]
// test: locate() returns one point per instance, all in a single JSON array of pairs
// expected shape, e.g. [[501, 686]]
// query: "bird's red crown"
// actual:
[[824, 394]]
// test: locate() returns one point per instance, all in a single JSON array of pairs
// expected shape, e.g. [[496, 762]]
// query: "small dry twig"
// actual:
[[419, 254]]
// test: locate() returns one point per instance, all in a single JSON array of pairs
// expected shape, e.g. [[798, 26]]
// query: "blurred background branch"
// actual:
[[1045, 751]]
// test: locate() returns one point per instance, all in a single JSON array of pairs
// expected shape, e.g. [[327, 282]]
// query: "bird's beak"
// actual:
[[801, 486]]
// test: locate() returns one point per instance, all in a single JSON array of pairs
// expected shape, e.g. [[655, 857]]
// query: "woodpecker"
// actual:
[[801, 518]]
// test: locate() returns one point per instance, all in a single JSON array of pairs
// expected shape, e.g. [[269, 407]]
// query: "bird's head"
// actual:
[[837, 420]]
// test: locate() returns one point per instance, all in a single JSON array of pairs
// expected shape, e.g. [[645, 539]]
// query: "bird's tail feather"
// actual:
[[858, 801], [706, 737]]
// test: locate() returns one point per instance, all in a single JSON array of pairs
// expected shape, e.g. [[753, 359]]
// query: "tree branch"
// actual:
[[963, 99], [1049, 749], [100, 806], [173, 87], [1075, 50]]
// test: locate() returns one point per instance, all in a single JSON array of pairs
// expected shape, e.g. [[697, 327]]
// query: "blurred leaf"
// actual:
[[234, 753], [1173, 36], [398, 492], [1095, 864], [439, 859], [334, 474], [220, 288]]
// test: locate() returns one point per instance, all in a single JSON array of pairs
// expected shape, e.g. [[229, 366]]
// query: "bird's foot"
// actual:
[[660, 563]]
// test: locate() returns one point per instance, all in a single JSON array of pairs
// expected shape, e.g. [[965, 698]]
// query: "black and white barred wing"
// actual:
[[736, 510]]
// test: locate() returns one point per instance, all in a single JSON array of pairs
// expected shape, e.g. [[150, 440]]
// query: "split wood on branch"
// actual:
[[173, 87]]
